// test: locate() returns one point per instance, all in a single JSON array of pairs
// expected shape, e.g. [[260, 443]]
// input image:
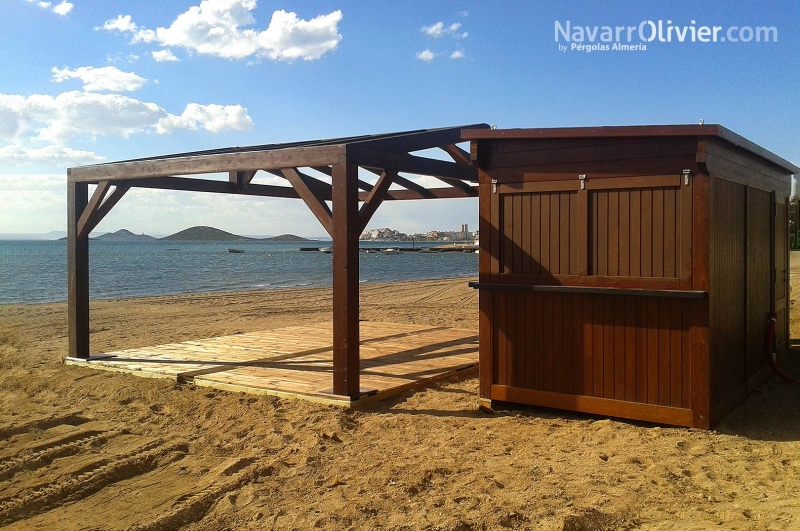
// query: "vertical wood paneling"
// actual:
[[536, 246], [658, 232], [635, 232], [759, 277], [608, 346], [613, 232], [646, 254], [727, 298]]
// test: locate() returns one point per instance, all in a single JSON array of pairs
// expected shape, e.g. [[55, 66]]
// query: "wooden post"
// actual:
[[77, 272], [346, 360]]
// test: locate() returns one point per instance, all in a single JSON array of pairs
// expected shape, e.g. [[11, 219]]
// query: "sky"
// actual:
[[87, 81]]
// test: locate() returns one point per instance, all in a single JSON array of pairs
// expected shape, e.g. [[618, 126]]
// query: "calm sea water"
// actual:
[[36, 271]]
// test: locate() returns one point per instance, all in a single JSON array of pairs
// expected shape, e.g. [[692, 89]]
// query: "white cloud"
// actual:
[[214, 118], [63, 8], [24, 181], [80, 114], [426, 55], [458, 54], [218, 28], [161, 56], [438, 30], [434, 30], [103, 78], [52, 155], [121, 23]]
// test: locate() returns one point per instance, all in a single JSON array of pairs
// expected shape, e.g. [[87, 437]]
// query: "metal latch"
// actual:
[[582, 178], [686, 175], [494, 186]]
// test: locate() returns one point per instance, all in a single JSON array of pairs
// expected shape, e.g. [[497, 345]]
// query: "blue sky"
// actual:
[[246, 72]]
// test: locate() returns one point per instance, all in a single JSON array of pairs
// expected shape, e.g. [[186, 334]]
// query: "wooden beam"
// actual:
[[346, 354], [312, 198], [364, 185], [213, 163], [422, 192], [311, 182], [77, 272], [188, 184], [105, 208], [433, 193], [241, 178], [91, 208], [461, 185], [459, 155], [374, 199], [403, 162], [418, 140]]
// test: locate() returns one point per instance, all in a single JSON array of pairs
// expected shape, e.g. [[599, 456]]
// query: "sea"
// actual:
[[36, 271]]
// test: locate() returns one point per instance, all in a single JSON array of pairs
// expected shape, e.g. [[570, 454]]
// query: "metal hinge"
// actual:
[[582, 178], [494, 186], [686, 175]]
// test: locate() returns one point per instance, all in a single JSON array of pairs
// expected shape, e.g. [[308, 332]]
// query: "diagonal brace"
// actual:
[[375, 198], [311, 197]]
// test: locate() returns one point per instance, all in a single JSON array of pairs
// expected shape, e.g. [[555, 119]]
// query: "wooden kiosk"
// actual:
[[630, 271]]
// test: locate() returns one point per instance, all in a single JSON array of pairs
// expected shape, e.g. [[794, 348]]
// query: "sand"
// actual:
[[84, 449]]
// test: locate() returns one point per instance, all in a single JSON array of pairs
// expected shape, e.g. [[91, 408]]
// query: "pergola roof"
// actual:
[[343, 206], [384, 155]]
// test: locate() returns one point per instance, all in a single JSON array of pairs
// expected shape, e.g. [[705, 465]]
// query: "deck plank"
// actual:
[[297, 361]]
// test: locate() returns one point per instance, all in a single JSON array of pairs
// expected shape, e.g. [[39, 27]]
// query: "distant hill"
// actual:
[[207, 234], [287, 238], [124, 235]]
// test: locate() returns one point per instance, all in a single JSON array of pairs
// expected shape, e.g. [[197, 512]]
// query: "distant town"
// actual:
[[391, 235]]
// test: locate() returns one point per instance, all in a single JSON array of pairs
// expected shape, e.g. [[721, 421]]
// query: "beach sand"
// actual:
[[85, 449]]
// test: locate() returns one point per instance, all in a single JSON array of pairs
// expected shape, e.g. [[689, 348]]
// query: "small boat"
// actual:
[[172, 249], [326, 250], [235, 251], [371, 251], [391, 250]]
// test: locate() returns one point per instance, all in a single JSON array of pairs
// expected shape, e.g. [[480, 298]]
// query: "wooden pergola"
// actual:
[[352, 200]]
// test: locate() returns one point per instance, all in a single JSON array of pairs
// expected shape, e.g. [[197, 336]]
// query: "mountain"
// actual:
[[287, 238], [124, 235], [208, 234]]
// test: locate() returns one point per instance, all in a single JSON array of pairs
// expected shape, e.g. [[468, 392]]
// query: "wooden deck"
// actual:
[[297, 361]]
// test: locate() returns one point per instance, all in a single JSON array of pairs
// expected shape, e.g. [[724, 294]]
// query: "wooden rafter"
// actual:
[[311, 197], [459, 155], [374, 199], [327, 171], [468, 190], [421, 191], [188, 184], [403, 162]]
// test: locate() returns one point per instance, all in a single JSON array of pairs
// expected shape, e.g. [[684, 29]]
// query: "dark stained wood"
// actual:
[[112, 199], [241, 178], [485, 298], [458, 155], [91, 208], [595, 405], [403, 162], [701, 251], [374, 199], [312, 198], [346, 364], [77, 273], [220, 163]]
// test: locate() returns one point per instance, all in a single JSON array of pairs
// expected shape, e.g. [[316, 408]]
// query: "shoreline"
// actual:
[[249, 292]]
